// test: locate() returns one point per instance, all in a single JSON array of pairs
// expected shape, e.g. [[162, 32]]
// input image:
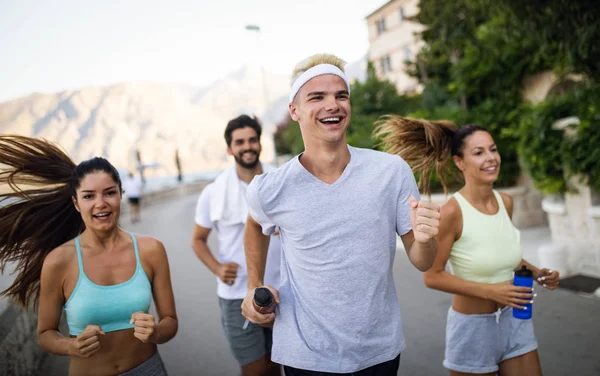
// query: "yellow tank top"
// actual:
[[489, 248]]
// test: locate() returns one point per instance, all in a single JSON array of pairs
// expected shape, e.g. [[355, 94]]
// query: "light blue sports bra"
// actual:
[[109, 307]]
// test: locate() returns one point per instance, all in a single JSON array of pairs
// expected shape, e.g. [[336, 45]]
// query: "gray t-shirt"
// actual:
[[338, 308]]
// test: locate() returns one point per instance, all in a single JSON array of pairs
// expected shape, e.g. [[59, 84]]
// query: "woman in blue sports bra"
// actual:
[[62, 228], [477, 238]]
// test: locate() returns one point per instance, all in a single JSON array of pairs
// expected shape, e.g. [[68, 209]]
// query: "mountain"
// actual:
[[154, 118], [357, 70]]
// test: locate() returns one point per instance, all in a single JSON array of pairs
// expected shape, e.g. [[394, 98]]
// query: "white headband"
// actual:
[[317, 70]]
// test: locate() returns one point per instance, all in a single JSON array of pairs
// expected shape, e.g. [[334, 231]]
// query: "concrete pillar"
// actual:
[[554, 257]]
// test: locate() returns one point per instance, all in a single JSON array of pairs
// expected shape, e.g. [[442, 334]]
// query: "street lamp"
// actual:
[[256, 29]]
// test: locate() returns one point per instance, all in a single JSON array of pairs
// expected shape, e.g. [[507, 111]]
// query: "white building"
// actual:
[[393, 40]]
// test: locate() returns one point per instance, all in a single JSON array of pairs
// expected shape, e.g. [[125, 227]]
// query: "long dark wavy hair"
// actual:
[[37, 181], [426, 145]]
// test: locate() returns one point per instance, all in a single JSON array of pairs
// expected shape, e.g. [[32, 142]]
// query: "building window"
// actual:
[[402, 15], [380, 26], [386, 64], [407, 53]]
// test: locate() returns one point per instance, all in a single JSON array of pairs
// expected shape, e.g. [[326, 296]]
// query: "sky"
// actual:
[[50, 46]]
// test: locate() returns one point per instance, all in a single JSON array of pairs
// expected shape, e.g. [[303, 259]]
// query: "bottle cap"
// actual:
[[263, 297], [524, 272]]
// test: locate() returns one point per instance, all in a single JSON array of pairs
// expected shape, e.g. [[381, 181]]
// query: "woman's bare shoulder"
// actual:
[[149, 246], [451, 217], [507, 200], [61, 256], [450, 210]]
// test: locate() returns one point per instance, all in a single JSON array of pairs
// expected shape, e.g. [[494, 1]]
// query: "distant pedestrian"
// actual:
[[63, 233], [481, 244], [132, 187]]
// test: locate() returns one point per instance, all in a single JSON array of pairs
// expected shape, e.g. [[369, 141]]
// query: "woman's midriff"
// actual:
[[470, 305], [120, 352]]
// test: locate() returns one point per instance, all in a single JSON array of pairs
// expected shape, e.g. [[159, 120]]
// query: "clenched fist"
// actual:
[[424, 218], [87, 343], [249, 309], [227, 272], [145, 326]]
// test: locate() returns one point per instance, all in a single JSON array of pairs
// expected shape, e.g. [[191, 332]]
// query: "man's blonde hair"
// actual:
[[315, 60]]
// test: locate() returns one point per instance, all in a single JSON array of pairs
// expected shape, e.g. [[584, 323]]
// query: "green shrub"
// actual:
[[550, 155], [581, 151]]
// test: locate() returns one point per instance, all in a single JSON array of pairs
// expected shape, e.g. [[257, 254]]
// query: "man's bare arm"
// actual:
[[256, 245], [421, 255]]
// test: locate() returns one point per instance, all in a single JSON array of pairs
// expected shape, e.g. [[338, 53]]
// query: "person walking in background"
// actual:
[[132, 187], [60, 227], [339, 210], [222, 207], [481, 244]]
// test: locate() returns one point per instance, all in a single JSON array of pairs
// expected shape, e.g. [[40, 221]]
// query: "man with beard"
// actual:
[[222, 207]]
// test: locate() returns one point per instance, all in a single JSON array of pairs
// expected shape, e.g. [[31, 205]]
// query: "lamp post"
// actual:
[[256, 29]]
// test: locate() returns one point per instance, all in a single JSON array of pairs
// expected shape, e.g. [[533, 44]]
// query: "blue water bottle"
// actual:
[[523, 277]]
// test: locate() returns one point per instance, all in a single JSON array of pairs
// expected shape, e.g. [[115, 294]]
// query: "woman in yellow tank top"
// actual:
[[478, 240]]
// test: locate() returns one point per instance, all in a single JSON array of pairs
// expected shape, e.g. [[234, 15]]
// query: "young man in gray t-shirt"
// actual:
[[338, 210]]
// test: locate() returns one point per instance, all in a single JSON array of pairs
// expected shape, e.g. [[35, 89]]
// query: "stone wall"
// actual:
[[20, 354], [575, 226], [537, 87], [527, 210], [575, 218]]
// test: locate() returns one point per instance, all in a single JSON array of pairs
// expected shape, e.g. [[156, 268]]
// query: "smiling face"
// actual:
[[322, 108], [480, 161], [245, 147], [98, 199]]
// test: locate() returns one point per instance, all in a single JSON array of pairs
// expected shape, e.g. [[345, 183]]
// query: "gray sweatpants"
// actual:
[[479, 343]]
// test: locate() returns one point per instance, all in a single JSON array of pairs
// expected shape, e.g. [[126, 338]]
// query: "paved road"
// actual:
[[567, 325]]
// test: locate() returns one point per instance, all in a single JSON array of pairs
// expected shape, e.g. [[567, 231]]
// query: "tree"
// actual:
[[478, 52], [372, 99], [288, 139], [178, 165], [566, 30]]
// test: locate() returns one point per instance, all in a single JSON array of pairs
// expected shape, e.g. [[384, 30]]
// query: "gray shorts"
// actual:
[[152, 367], [479, 343], [247, 345]]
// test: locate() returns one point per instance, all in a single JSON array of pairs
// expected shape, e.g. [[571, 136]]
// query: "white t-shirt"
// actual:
[[132, 187], [231, 248]]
